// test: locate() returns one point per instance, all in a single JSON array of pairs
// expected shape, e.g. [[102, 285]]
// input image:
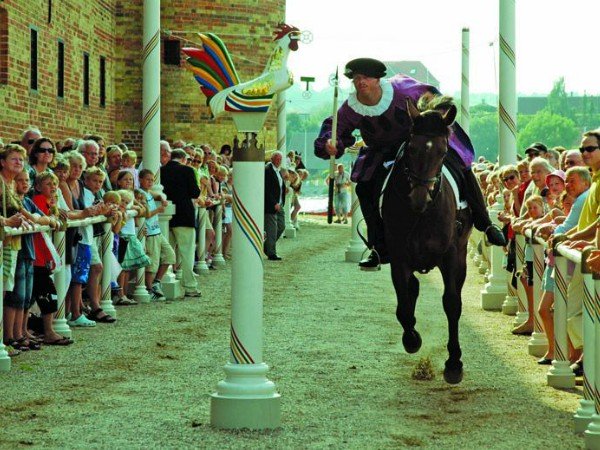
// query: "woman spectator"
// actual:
[[225, 153], [41, 158], [114, 155]]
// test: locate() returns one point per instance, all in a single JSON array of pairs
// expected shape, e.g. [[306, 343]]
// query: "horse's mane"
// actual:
[[430, 123]]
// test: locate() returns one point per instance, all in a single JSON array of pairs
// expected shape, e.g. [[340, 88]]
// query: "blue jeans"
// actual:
[[20, 297]]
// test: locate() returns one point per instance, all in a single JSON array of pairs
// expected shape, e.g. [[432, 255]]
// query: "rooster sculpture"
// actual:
[[213, 69]]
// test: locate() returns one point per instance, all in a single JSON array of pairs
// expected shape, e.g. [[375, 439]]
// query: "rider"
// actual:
[[378, 110]]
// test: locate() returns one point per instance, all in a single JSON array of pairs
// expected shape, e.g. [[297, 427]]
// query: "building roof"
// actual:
[[414, 69]]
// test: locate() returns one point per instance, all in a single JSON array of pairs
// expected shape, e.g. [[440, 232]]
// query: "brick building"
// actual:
[[75, 66]]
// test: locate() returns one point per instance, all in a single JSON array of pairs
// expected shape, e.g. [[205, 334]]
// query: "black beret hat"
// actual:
[[368, 67]]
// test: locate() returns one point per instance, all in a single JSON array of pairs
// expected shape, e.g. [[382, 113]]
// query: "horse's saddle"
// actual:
[[452, 177]]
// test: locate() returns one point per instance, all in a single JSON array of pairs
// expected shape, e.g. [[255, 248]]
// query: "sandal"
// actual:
[[62, 341], [125, 301], [17, 345], [31, 344], [104, 319]]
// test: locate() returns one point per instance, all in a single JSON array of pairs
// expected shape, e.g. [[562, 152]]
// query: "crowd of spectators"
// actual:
[[47, 182], [552, 192]]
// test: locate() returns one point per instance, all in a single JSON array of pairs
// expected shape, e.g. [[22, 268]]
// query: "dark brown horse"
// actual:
[[423, 229]]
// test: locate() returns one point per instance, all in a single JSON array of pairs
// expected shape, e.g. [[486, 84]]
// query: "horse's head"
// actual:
[[425, 152], [287, 35]]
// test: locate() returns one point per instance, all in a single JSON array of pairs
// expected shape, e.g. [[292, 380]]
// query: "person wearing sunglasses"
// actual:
[[41, 158], [581, 236], [28, 138]]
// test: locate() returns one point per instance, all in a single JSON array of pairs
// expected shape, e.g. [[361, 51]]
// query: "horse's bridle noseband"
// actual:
[[414, 179]]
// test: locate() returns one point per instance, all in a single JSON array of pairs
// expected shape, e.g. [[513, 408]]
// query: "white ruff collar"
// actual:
[[387, 95]]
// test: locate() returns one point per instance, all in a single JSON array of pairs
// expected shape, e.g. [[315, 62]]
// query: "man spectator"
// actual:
[[165, 153], [90, 151], [573, 158], [178, 144], [29, 136], [180, 186], [274, 201], [581, 236]]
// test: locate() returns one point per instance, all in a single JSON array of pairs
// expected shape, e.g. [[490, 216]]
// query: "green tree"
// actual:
[[551, 129], [558, 102], [484, 135]]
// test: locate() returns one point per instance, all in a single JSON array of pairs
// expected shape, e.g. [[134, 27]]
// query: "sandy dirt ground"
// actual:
[[333, 345]]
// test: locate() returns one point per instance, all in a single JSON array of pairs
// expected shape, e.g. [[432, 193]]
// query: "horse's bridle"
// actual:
[[415, 180]]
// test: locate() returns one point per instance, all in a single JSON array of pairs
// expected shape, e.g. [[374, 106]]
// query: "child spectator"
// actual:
[[534, 210], [128, 162], [94, 178], [157, 246], [44, 291], [131, 255]]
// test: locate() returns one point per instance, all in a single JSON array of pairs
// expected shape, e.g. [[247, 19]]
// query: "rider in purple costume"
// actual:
[[378, 110]]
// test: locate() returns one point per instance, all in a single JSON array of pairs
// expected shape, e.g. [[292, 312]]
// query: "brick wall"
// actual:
[[113, 29], [83, 27], [246, 28]]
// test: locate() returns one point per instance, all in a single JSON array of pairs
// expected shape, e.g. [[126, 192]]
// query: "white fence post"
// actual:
[[59, 322], [538, 344], [201, 267], [560, 374]]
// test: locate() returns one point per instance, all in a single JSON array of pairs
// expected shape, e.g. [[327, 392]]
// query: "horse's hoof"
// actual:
[[411, 341], [453, 375]]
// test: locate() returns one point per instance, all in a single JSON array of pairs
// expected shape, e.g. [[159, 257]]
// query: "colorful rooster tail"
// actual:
[[212, 66]]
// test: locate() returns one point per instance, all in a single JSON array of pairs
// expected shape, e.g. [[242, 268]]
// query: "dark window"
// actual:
[[102, 81], [33, 60], [172, 52], [60, 78], [86, 79], [49, 11], [3, 46]]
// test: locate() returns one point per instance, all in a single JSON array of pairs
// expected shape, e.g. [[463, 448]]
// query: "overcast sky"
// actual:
[[554, 38]]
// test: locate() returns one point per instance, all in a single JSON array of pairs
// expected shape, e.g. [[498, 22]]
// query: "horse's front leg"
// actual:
[[407, 291], [453, 272]]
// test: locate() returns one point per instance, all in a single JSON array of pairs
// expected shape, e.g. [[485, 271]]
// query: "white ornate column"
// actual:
[[495, 290], [507, 109], [105, 288], [59, 322], [218, 260], [560, 374], [492, 296], [583, 415], [538, 344], [523, 308], [592, 434], [246, 398], [464, 89], [151, 87], [140, 294], [4, 358], [201, 267]]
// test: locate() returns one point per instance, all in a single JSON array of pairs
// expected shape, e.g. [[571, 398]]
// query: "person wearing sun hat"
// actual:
[[377, 108]]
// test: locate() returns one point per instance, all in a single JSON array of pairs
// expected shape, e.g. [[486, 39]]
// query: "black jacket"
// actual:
[[272, 190], [181, 188]]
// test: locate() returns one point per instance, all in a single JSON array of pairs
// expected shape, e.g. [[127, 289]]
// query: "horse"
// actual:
[[424, 229]]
